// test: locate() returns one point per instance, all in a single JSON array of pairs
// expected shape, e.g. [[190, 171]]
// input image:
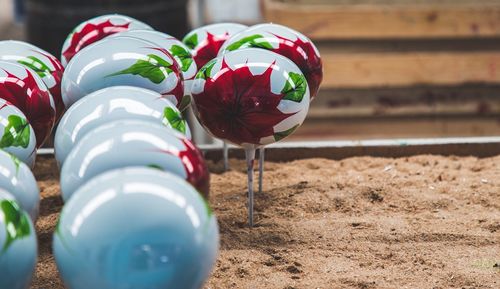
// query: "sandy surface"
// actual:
[[419, 222]]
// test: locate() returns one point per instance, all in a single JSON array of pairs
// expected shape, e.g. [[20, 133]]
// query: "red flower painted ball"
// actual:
[[285, 41], [47, 66], [23, 88], [123, 60], [206, 41], [250, 97], [95, 29]]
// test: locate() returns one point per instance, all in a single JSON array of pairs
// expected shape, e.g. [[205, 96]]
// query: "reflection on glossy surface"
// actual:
[[17, 178], [18, 247], [136, 228], [284, 41], [206, 41], [16, 134], [250, 97], [133, 143], [23, 88], [110, 104], [122, 61], [95, 29], [179, 51], [48, 67]]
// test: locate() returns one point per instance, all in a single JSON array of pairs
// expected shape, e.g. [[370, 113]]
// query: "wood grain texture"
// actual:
[[344, 70], [379, 19]]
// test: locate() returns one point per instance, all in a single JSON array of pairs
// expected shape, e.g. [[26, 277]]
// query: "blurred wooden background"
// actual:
[[400, 68], [392, 68]]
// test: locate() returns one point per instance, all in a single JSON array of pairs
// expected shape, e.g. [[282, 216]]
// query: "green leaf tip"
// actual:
[[16, 132], [16, 221], [295, 87], [154, 68]]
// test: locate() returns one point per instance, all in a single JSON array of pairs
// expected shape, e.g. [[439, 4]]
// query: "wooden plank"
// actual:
[[413, 101], [396, 127], [351, 70], [289, 151], [428, 19]]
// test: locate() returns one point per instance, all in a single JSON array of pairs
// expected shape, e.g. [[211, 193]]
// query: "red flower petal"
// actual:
[[91, 33], [239, 106], [34, 102]]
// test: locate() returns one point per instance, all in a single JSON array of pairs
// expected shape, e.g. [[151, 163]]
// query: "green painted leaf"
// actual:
[[175, 119], [154, 68], [154, 166], [36, 65], [185, 101], [257, 41], [191, 41], [183, 55], [205, 71], [16, 221], [283, 134], [16, 133], [210, 212], [295, 87]]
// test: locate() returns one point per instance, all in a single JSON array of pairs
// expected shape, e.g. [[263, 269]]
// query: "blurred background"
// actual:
[[392, 68]]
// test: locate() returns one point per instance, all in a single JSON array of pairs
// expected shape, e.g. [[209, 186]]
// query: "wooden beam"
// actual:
[[426, 19], [362, 70]]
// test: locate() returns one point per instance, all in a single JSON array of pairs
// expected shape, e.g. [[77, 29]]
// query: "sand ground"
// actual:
[[418, 222]]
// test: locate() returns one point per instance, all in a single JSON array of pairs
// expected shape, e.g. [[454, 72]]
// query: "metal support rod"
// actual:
[[225, 155], [261, 167], [250, 157]]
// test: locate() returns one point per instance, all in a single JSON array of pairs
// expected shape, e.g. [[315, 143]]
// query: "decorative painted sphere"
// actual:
[[177, 49], [250, 97], [122, 61], [23, 88], [48, 67], [110, 104], [16, 134], [17, 178], [133, 143], [285, 41], [95, 29], [206, 41], [136, 228], [18, 244]]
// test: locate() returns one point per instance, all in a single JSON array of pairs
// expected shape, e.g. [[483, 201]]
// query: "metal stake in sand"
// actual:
[[225, 156], [251, 98], [250, 157], [261, 167]]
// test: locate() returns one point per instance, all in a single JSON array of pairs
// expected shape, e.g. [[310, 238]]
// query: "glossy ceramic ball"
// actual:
[[179, 51], [95, 29], [48, 67], [17, 178], [136, 228], [23, 88], [16, 134], [250, 97], [111, 104], [18, 244], [285, 41], [122, 61], [206, 41], [133, 143]]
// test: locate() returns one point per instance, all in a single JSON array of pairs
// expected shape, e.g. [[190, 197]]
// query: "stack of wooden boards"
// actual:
[[400, 68]]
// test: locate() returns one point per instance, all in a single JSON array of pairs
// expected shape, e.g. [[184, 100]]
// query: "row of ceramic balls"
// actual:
[[122, 126]]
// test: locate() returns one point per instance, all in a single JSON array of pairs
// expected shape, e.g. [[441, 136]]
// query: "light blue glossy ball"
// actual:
[[18, 245], [17, 179], [110, 104], [125, 143], [136, 228]]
